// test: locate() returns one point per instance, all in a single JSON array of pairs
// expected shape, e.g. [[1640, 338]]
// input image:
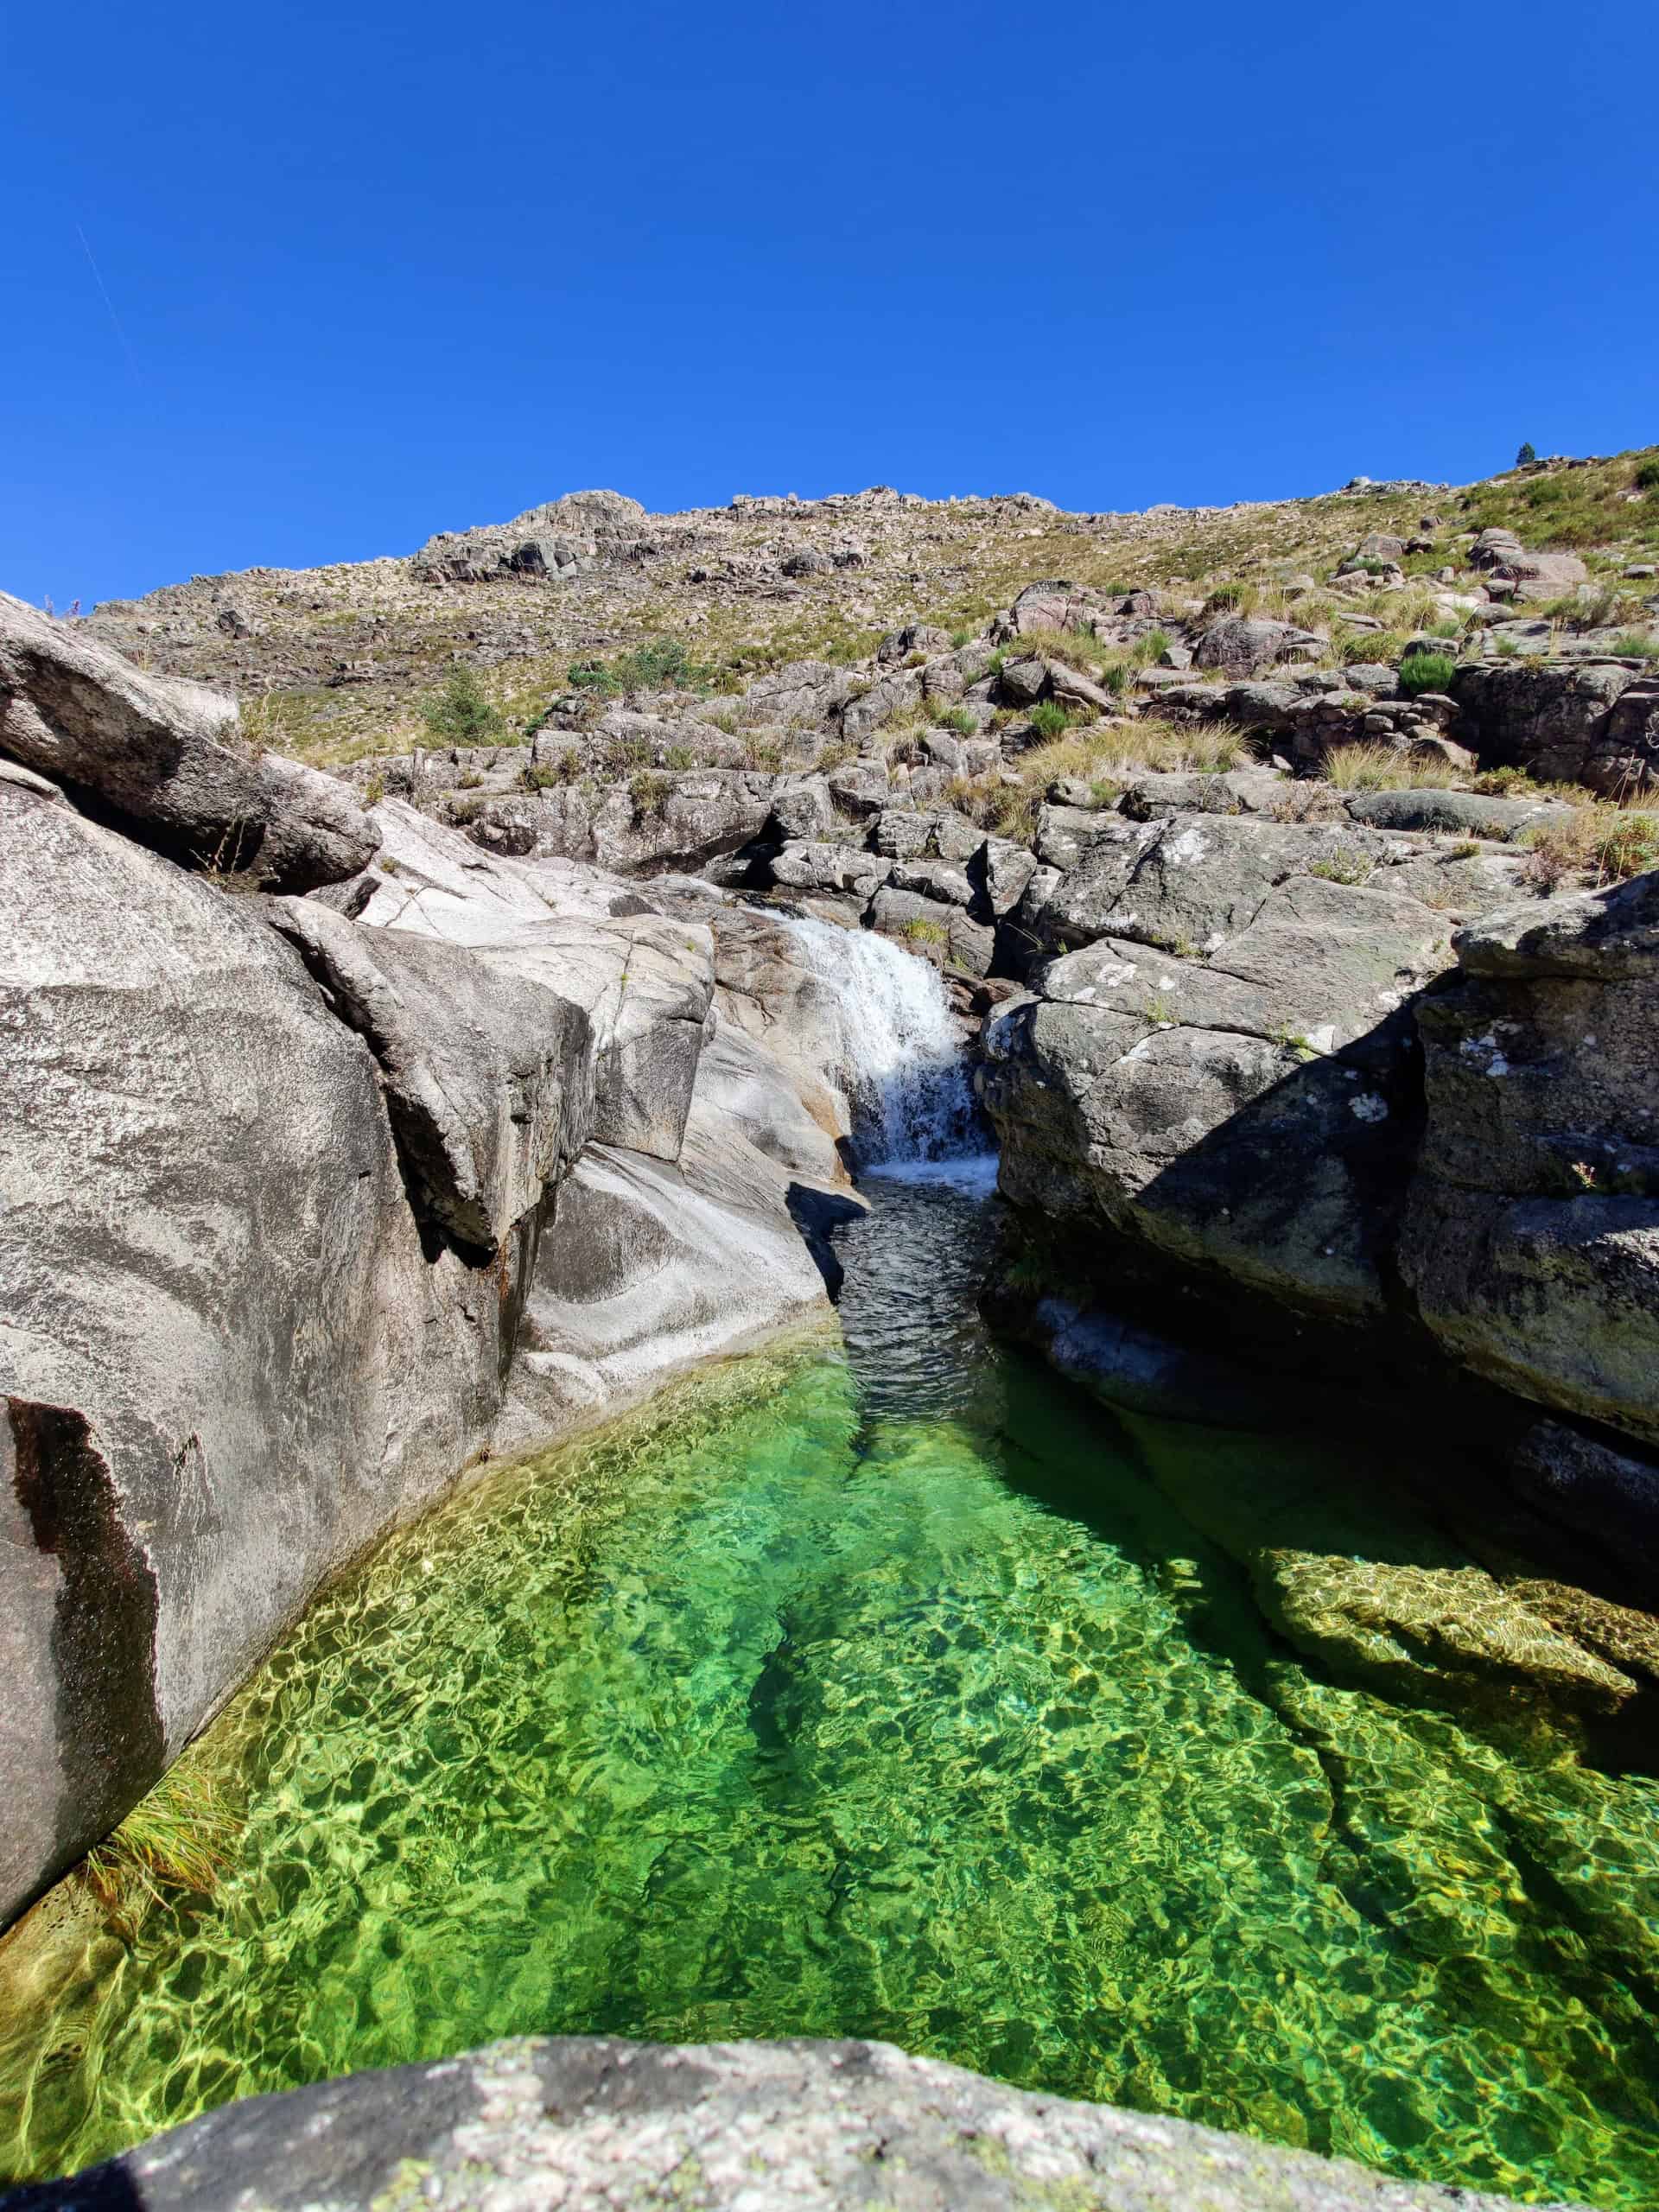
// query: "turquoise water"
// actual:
[[889, 1689]]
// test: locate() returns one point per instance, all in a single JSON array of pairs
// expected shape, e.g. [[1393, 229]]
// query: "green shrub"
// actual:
[[957, 719], [960, 637], [462, 713], [680, 756], [1049, 718], [1348, 866], [920, 931], [547, 774], [649, 791], [1425, 672], [659, 665], [1647, 477], [1637, 645], [1225, 599], [1528, 452]]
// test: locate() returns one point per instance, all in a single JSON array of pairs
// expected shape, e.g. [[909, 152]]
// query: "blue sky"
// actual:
[[373, 271]]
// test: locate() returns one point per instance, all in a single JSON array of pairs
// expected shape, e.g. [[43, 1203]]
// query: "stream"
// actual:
[[879, 1685]]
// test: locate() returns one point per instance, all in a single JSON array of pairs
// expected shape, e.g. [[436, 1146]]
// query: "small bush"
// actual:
[[957, 719], [374, 791], [649, 791], [680, 756], [659, 665], [1227, 598], [546, 775], [960, 637], [1049, 719], [1349, 866], [1647, 477], [921, 931], [1528, 452], [1637, 645], [462, 713], [1504, 782], [1366, 767], [1602, 841], [1425, 672]]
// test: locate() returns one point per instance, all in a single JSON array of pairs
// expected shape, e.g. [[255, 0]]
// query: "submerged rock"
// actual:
[[792, 2126]]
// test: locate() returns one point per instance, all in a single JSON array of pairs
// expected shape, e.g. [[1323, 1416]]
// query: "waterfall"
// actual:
[[899, 1056]]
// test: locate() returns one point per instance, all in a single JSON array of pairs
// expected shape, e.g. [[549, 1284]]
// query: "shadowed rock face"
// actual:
[[1532, 1244], [798, 2126]]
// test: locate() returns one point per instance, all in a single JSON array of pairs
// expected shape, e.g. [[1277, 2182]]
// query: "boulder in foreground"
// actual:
[[578, 2120]]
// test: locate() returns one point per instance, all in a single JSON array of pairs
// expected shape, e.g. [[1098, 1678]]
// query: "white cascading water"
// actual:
[[899, 1056]]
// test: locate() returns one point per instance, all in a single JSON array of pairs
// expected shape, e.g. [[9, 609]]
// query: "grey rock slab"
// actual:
[[645, 980], [161, 754], [1234, 790], [1531, 1239], [1467, 814], [1553, 719], [809, 866], [224, 1350], [1241, 645], [1191, 881], [797, 2126], [488, 1075]]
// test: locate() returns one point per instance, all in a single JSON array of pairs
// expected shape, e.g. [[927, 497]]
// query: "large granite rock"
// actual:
[[1249, 1113], [279, 1215], [163, 757], [587, 2120], [1532, 1244], [227, 1359], [1563, 720], [488, 1075]]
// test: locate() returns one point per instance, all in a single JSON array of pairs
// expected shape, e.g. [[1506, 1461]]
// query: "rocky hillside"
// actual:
[[347, 655]]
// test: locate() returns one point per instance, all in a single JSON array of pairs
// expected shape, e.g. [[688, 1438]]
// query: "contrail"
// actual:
[[109, 304]]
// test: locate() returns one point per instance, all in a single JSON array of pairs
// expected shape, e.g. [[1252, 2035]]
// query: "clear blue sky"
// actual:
[[377, 270]]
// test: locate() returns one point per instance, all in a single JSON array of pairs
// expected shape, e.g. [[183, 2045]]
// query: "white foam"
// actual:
[[899, 1048]]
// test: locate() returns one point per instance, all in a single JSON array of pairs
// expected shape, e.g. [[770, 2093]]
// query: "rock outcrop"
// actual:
[[161, 756], [227, 1358], [794, 2126], [308, 1204], [1532, 1244]]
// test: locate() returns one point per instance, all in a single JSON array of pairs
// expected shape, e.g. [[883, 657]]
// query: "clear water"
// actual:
[[891, 1690]]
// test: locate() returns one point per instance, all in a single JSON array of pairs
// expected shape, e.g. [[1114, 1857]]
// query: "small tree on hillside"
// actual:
[[1528, 452], [461, 714]]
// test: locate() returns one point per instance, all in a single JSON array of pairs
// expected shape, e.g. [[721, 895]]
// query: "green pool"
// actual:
[[886, 1688]]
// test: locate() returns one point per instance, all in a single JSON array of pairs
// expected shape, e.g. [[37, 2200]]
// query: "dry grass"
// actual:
[[1597, 844], [1366, 767]]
